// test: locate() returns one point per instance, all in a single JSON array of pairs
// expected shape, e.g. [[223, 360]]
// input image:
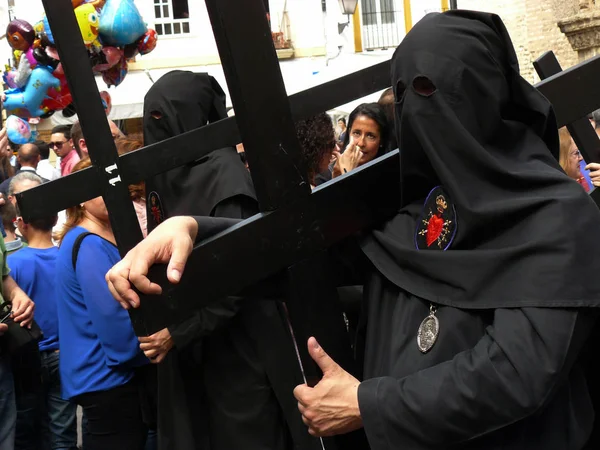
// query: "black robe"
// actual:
[[503, 379], [495, 239], [213, 388]]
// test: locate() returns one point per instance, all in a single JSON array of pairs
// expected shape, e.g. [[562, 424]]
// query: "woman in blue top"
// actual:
[[99, 351]]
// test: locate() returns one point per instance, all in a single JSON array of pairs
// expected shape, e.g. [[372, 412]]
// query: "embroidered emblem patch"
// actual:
[[436, 227], [156, 208]]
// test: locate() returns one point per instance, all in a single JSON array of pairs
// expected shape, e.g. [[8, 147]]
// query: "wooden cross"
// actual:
[[295, 225]]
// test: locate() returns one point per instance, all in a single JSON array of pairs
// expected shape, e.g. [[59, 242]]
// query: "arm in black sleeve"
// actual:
[[510, 374], [238, 207], [347, 269], [206, 320]]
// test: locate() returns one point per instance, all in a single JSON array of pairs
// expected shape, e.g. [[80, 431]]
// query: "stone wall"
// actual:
[[533, 28]]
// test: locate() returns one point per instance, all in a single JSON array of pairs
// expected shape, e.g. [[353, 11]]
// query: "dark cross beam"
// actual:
[[581, 82], [273, 152], [102, 150], [548, 68], [158, 158], [202, 260]]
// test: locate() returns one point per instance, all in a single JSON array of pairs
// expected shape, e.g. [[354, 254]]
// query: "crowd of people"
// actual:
[[63, 368], [468, 337]]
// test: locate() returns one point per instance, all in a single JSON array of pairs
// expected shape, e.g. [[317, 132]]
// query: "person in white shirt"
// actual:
[[44, 168]]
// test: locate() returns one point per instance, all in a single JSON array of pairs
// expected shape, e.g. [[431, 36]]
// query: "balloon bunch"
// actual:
[[113, 31]]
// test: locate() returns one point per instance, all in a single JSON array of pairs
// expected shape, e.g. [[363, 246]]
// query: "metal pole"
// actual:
[[407, 16], [358, 46], [453, 4]]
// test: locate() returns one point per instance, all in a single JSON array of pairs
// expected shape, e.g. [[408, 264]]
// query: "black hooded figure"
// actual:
[[182, 101], [213, 391], [485, 286], [482, 293]]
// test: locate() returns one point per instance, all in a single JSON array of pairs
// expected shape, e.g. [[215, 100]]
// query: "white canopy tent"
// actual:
[[299, 74]]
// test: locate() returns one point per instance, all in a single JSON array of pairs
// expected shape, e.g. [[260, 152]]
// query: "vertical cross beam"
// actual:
[[94, 123], [267, 130], [259, 99]]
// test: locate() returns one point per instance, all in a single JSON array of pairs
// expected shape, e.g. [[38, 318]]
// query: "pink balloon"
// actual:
[[52, 53], [113, 56], [115, 75]]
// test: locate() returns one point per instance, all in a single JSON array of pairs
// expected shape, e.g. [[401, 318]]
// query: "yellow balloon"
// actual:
[[89, 21]]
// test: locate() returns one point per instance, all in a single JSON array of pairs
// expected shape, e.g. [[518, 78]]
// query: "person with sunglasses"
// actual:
[[62, 144]]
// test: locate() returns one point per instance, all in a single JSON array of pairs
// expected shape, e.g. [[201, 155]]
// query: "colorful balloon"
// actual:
[[113, 31], [42, 57], [121, 23], [116, 74], [9, 77], [23, 71], [106, 102], [60, 98], [131, 50], [42, 28], [18, 131], [112, 56], [20, 35], [88, 20], [57, 99], [148, 42], [26, 102]]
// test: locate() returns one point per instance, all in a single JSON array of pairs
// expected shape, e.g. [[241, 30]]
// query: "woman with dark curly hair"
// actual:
[[317, 142]]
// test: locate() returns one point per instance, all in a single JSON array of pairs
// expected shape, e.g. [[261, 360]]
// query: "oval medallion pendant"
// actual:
[[428, 332]]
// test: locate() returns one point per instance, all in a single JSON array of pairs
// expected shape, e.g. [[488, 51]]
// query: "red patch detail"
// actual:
[[434, 229], [437, 224], [156, 209], [156, 214]]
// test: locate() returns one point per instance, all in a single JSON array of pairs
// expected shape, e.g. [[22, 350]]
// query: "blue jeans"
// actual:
[[45, 421], [61, 416], [8, 410]]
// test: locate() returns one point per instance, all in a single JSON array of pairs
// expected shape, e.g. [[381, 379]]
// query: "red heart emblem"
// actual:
[[434, 229]]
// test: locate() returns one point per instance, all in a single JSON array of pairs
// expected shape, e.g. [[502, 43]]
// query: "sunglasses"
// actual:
[[57, 144]]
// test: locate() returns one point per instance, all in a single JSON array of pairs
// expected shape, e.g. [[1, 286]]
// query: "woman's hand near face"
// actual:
[[348, 160]]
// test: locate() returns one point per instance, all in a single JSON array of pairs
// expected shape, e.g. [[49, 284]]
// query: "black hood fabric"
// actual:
[[179, 102], [526, 234]]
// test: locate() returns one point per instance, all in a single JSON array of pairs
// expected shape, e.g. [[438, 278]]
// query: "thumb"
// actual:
[[323, 360]]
